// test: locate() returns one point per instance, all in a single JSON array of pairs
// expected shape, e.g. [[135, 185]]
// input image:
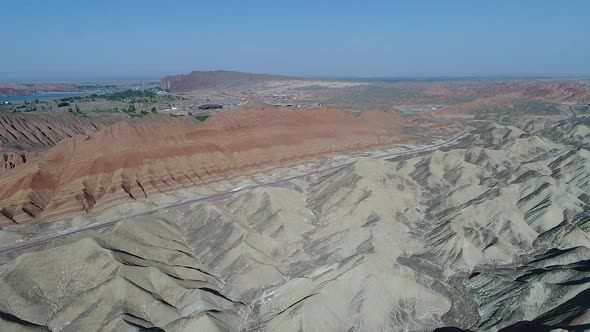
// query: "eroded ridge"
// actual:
[[480, 236]]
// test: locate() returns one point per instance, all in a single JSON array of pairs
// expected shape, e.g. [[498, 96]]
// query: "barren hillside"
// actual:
[[24, 136], [480, 236], [133, 160]]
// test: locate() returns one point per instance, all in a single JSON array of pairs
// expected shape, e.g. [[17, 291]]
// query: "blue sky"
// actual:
[[147, 39]]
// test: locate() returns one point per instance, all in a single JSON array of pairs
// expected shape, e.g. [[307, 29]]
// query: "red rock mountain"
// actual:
[[136, 160]]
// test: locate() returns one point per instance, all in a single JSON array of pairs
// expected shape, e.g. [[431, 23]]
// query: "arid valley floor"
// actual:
[[299, 205]]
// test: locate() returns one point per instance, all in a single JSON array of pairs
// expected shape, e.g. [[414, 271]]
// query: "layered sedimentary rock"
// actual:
[[479, 236], [135, 160], [24, 136]]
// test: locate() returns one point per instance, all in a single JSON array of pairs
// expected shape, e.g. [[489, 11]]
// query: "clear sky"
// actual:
[[81, 39]]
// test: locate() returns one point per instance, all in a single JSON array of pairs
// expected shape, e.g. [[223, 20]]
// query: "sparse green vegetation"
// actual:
[[128, 94], [135, 103], [25, 108], [202, 118]]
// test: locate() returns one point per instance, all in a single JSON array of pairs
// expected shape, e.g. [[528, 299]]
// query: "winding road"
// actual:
[[12, 249], [573, 110]]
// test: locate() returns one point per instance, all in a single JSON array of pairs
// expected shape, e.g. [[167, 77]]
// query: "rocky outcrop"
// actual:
[[24, 136], [12, 159]]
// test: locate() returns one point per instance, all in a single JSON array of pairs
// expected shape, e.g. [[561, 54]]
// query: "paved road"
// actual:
[[226, 194], [572, 108]]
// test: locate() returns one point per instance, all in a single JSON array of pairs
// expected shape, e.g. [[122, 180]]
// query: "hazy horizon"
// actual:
[[424, 78], [108, 40]]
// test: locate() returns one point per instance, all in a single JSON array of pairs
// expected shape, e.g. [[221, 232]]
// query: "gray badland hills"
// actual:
[[481, 235]]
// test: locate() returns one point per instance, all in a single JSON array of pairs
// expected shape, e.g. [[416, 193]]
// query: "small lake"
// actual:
[[46, 96]]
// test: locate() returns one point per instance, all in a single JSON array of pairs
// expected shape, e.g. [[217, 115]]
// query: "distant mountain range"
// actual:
[[220, 79], [11, 89]]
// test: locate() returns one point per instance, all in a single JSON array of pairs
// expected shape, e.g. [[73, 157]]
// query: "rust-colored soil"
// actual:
[[135, 160]]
